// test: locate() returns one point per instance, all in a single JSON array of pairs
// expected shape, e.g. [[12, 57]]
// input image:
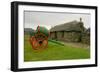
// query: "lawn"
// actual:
[[54, 51]]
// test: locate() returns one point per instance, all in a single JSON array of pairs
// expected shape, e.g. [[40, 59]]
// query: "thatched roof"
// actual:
[[70, 26]]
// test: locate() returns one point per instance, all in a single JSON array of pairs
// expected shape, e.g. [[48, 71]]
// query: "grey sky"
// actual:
[[49, 19]]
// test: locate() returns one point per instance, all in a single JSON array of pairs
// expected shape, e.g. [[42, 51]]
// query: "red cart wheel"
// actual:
[[40, 39], [36, 45]]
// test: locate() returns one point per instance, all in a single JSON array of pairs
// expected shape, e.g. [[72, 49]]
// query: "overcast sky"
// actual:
[[49, 19]]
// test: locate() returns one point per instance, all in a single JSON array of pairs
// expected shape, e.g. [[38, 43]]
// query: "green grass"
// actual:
[[54, 52]]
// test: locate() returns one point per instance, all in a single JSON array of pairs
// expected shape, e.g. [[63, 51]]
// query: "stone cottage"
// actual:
[[86, 36], [70, 32]]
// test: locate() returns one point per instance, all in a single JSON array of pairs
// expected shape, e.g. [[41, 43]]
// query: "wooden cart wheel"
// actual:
[[33, 42], [37, 44], [39, 41]]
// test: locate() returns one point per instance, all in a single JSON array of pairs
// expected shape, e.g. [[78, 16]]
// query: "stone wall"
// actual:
[[52, 35], [85, 38], [66, 36], [60, 35], [72, 36]]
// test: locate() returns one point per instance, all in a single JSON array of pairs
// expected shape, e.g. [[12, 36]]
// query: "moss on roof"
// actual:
[[70, 26]]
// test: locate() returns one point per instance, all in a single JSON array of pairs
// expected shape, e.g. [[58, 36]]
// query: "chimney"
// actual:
[[80, 19]]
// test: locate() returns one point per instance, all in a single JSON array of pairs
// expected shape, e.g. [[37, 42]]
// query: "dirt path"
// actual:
[[77, 45]]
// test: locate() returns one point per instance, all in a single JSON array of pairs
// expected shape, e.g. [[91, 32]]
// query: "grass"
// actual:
[[54, 51]]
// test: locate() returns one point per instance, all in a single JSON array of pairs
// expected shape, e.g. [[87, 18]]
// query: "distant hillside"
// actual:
[[28, 30]]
